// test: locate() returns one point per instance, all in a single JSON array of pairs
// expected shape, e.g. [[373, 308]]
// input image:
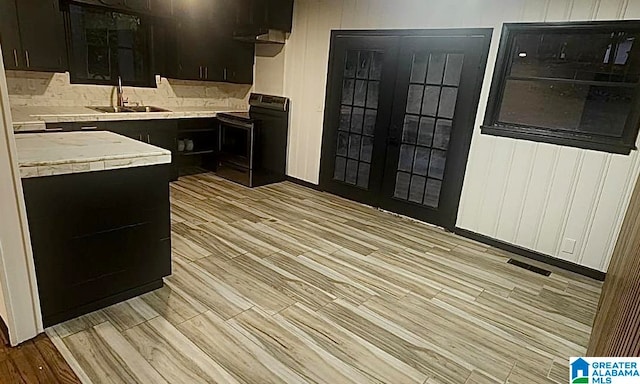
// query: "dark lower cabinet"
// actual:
[[98, 237], [32, 35]]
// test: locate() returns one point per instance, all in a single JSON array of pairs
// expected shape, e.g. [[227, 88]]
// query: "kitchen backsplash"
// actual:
[[54, 89]]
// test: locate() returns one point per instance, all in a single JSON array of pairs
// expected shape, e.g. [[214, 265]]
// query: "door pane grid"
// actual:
[[427, 126], [359, 102]]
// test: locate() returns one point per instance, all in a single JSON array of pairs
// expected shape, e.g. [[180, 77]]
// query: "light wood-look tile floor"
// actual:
[[287, 284]]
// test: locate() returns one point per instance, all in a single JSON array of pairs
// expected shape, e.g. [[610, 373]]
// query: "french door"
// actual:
[[399, 116]]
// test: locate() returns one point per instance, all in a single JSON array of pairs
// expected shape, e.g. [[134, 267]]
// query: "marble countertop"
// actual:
[[48, 154], [34, 119]]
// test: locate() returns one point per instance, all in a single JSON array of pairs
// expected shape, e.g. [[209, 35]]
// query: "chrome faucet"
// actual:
[[121, 100]]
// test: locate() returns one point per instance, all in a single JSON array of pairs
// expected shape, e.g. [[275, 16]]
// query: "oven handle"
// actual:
[[235, 123]]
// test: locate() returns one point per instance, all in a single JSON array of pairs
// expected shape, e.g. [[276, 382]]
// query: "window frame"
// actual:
[[149, 80], [492, 126]]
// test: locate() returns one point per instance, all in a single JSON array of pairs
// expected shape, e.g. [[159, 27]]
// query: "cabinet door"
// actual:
[[190, 49], [9, 34], [42, 51], [239, 67]]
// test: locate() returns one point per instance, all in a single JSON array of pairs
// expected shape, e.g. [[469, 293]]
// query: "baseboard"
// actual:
[[303, 183], [566, 265]]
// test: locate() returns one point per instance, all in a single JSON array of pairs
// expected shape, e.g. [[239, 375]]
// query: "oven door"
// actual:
[[236, 142]]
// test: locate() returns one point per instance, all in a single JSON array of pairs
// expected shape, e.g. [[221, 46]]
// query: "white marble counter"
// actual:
[[47, 154], [34, 119]]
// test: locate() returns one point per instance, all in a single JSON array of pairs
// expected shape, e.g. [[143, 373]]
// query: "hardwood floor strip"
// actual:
[[239, 356], [174, 356]]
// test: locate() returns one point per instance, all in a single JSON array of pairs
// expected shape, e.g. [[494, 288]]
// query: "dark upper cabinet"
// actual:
[[203, 44], [21, 29], [239, 68], [263, 14], [10, 35]]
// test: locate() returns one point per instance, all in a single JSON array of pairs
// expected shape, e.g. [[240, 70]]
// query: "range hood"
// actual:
[[262, 36]]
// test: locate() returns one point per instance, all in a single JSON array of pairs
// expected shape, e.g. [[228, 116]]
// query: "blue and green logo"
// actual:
[[579, 371]]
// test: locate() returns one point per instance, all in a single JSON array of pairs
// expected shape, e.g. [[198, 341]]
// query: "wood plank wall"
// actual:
[[616, 331]]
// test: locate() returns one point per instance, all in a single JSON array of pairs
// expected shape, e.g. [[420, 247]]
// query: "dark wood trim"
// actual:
[[548, 136], [528, 253], [303, 183], [492, 126], [103, 303]]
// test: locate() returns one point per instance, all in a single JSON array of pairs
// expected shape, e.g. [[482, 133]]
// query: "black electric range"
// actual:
[[253, 145]]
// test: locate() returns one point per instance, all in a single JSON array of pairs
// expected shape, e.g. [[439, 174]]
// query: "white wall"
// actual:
[[18, 288], [532, 195]]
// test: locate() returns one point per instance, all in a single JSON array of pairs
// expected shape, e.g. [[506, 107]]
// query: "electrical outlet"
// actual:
[[568, 245]]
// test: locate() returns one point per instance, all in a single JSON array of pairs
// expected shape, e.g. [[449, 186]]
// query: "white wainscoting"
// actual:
[[529, 194]]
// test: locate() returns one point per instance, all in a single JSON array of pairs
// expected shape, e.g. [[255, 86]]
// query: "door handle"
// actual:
[[15, 57], [26, 55]]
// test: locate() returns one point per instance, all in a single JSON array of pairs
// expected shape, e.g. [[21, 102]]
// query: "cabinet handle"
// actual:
[[225, 73], [140, 137], [206, 72], [26, 55], [201, 71], [88, 128], [15, 57], [148, 139], [53, 129]]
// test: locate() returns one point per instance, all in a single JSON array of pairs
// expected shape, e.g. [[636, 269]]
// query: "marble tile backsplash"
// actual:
[[35, 89]]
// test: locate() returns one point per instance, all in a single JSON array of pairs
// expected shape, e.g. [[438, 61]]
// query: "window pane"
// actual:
[[345, 118], [338, 172], [436, 68], [351, 64], [431, 99], [414, 99], [364, 61], [357, 120], [416, 190], [419, 67], [363, 175], [443, 133], [402, 185], [360, 93], [425, 134], [584, 55], [448, 102], [376, 66], [406, 158], [567, 107], [432, 193], [453, 70], [347, 91], [421, 162], [410, 129], [343, 141], [437, 163], [354, 146], [352, 171], [369, 122], [367, 149]]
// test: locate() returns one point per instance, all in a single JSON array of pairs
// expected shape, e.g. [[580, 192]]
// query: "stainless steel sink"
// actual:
[[129, 109]]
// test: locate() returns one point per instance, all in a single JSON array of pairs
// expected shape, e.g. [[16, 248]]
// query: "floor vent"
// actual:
[[529, 267]]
